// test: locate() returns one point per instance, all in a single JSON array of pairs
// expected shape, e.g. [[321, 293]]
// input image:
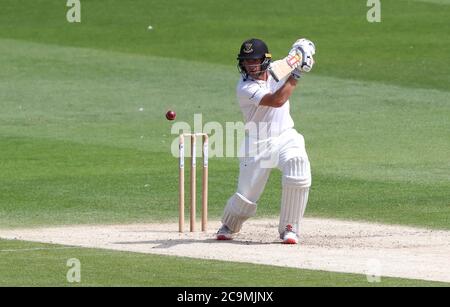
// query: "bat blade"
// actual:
[[282, 68]]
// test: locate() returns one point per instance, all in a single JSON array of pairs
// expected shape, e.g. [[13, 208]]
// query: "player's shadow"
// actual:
[[166, 243]]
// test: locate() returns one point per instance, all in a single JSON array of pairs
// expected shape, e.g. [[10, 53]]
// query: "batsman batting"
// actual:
[[264, 102]]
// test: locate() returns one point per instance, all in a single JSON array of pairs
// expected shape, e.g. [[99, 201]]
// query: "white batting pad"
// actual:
[[296, 183], [237, 211]]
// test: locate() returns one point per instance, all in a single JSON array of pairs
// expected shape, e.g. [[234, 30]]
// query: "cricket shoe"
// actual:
[[224, 233], [289, 236]]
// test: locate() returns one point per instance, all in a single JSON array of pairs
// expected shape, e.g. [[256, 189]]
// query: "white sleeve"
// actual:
[[251, 93]]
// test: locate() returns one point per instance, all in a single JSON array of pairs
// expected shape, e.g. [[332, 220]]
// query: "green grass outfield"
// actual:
[[75, 147], [35, 264]]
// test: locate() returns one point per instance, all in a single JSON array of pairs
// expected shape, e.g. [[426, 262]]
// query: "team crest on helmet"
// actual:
[[248, 48]]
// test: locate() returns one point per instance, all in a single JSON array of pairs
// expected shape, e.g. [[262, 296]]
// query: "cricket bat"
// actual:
[[282, 68]]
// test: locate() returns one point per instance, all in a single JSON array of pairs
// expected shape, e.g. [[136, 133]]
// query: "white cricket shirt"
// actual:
[[268, 120]]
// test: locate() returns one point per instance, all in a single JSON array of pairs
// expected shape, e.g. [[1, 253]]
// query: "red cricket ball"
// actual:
[[170, 115]]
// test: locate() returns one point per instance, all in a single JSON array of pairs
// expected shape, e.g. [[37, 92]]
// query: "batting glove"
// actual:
[[296, 74], [307, 49], [307, 63], [296, 52], [306, 45]]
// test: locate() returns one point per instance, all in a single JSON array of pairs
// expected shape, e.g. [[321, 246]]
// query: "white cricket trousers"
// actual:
[[264, 155]]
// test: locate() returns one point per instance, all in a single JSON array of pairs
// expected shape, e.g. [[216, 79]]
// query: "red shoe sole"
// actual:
[[290, 241], [223, 238]]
